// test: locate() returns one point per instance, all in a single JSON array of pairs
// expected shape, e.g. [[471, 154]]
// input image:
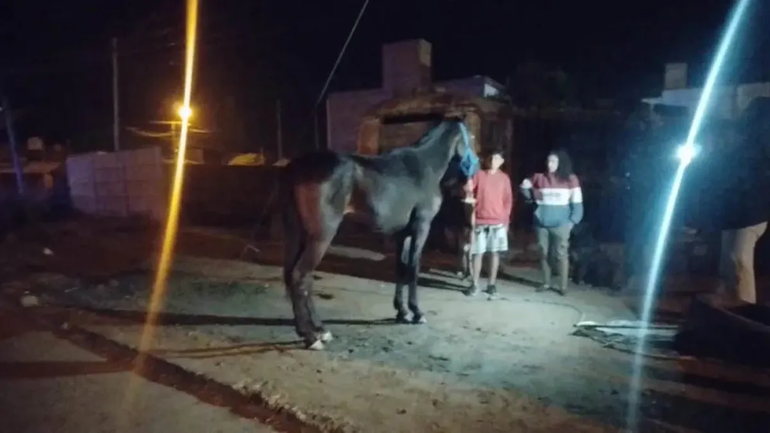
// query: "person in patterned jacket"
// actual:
[[558, 201]]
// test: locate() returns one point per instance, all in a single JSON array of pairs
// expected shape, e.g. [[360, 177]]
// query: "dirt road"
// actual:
[[505, 366], [48, 384], [499, 366]]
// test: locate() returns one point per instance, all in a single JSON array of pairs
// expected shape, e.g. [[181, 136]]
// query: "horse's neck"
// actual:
[[436, 155]]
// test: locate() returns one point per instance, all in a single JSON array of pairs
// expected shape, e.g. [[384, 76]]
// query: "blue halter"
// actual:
[[469, 162]]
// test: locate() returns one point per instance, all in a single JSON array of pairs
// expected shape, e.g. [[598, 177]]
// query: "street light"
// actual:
[[185, 112]]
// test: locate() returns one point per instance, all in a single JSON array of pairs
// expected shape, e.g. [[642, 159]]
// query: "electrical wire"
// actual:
[[339, 56]]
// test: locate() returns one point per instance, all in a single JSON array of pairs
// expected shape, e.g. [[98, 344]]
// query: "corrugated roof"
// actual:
[[433, 102]]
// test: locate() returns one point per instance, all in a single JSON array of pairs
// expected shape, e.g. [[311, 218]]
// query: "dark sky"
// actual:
[[256, 51]]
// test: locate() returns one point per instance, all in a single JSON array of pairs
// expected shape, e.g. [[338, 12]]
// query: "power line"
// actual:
[[339, 57]]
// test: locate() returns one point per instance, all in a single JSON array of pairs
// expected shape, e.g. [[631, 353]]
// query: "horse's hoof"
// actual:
[[317, 345], [326, 336], [401, 318], [419, 319]]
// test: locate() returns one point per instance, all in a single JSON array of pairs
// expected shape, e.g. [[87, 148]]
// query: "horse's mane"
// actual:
[[411, 157]]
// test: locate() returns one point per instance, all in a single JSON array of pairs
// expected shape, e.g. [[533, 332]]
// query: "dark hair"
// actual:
[[496, 151], [564, 171]]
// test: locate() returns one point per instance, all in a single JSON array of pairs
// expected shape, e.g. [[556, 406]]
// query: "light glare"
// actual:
[[185, 112], [686, 153]]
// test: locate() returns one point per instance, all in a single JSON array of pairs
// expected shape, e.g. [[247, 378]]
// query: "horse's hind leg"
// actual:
[[415, 256], [403, 246], [294, 245], [309, 324]]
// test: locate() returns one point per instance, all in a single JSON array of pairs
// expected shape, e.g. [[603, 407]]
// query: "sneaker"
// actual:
[[561, 292], [472, 291], [492, 292], [541, 289]]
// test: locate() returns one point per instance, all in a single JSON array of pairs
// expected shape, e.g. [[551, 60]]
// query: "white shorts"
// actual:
[[489, 239]]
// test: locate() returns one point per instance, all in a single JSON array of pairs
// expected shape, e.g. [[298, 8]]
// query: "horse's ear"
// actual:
[[457, 117]]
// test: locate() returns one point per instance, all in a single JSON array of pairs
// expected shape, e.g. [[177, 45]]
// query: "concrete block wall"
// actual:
[[130, 182]]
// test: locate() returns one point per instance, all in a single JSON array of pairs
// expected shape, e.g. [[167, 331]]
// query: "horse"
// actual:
[[398, 193]]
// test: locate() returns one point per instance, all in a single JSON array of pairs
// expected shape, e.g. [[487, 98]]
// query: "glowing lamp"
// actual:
[[185, 112], [686, 152]]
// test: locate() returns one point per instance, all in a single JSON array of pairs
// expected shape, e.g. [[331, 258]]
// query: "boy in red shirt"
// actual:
[[494, 201]]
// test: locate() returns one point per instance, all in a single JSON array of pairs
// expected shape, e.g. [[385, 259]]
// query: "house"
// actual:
[[729, 101], [408, 103]]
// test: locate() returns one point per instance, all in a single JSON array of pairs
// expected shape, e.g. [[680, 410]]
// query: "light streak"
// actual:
[[172, 222], [686, 153]]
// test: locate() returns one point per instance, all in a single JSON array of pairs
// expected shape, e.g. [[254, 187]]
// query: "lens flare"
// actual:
[[172, 219], [686, 154]]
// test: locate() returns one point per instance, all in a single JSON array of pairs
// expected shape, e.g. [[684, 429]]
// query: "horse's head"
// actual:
[[463, 145]]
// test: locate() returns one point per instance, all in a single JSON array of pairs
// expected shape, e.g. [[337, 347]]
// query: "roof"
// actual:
[[33, 167], [434, 102]]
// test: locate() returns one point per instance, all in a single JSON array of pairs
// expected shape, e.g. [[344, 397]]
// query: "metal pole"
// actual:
[[115, 96], [279, 134], [315, 131], [17, 168]]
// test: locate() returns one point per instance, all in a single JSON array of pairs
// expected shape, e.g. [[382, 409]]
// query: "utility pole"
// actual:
[[315, 131], [279, 132], [115, 96], [17, 168]]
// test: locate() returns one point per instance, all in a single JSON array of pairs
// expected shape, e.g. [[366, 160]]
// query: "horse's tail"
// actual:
[[274, 204]]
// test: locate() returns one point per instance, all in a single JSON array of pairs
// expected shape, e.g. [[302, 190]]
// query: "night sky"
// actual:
[[57, 56]]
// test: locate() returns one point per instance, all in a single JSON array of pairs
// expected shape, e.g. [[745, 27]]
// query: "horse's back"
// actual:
[[318, 167]]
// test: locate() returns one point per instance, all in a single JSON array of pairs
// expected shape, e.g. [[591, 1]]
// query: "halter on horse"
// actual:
[[399, 194]]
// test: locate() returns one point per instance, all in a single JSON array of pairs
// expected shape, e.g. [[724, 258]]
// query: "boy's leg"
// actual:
[[478, 248], [494, 266], [498, 244]]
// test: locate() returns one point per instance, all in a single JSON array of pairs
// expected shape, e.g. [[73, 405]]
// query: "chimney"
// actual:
[[406, 66], [675, 76]]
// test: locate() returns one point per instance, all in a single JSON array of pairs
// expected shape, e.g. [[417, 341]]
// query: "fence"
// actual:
[[137, 182], [129, 182]]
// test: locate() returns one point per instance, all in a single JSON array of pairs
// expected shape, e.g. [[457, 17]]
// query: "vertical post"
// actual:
[[174, 141], [329, 126], [115, 95], [17, 168], [279, 132], [315, 131]]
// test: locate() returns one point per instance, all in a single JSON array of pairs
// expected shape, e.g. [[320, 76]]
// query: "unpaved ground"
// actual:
[[500, 366], [485, 366], [50, 385]]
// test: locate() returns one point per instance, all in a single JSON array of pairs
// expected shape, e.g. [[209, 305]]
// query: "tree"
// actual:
[[533, 84]]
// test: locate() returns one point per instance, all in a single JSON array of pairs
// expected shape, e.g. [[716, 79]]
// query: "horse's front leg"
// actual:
[[403, 244], [415, 256]]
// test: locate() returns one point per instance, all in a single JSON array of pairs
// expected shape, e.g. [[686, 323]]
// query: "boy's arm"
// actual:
[[471, 186], [508, 199], [575, 201], [526, 189]]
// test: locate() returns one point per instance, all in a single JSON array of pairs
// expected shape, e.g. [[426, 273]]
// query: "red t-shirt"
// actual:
[[494, 197]]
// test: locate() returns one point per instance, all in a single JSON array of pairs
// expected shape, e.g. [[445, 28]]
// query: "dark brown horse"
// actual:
[[398, 193]]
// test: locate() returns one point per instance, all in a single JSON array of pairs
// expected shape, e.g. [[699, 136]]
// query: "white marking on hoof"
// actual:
[[318, 345], [327, 336]]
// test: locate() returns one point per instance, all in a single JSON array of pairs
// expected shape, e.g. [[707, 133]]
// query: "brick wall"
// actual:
[[345, 111], [401, 134], [406, 66]]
